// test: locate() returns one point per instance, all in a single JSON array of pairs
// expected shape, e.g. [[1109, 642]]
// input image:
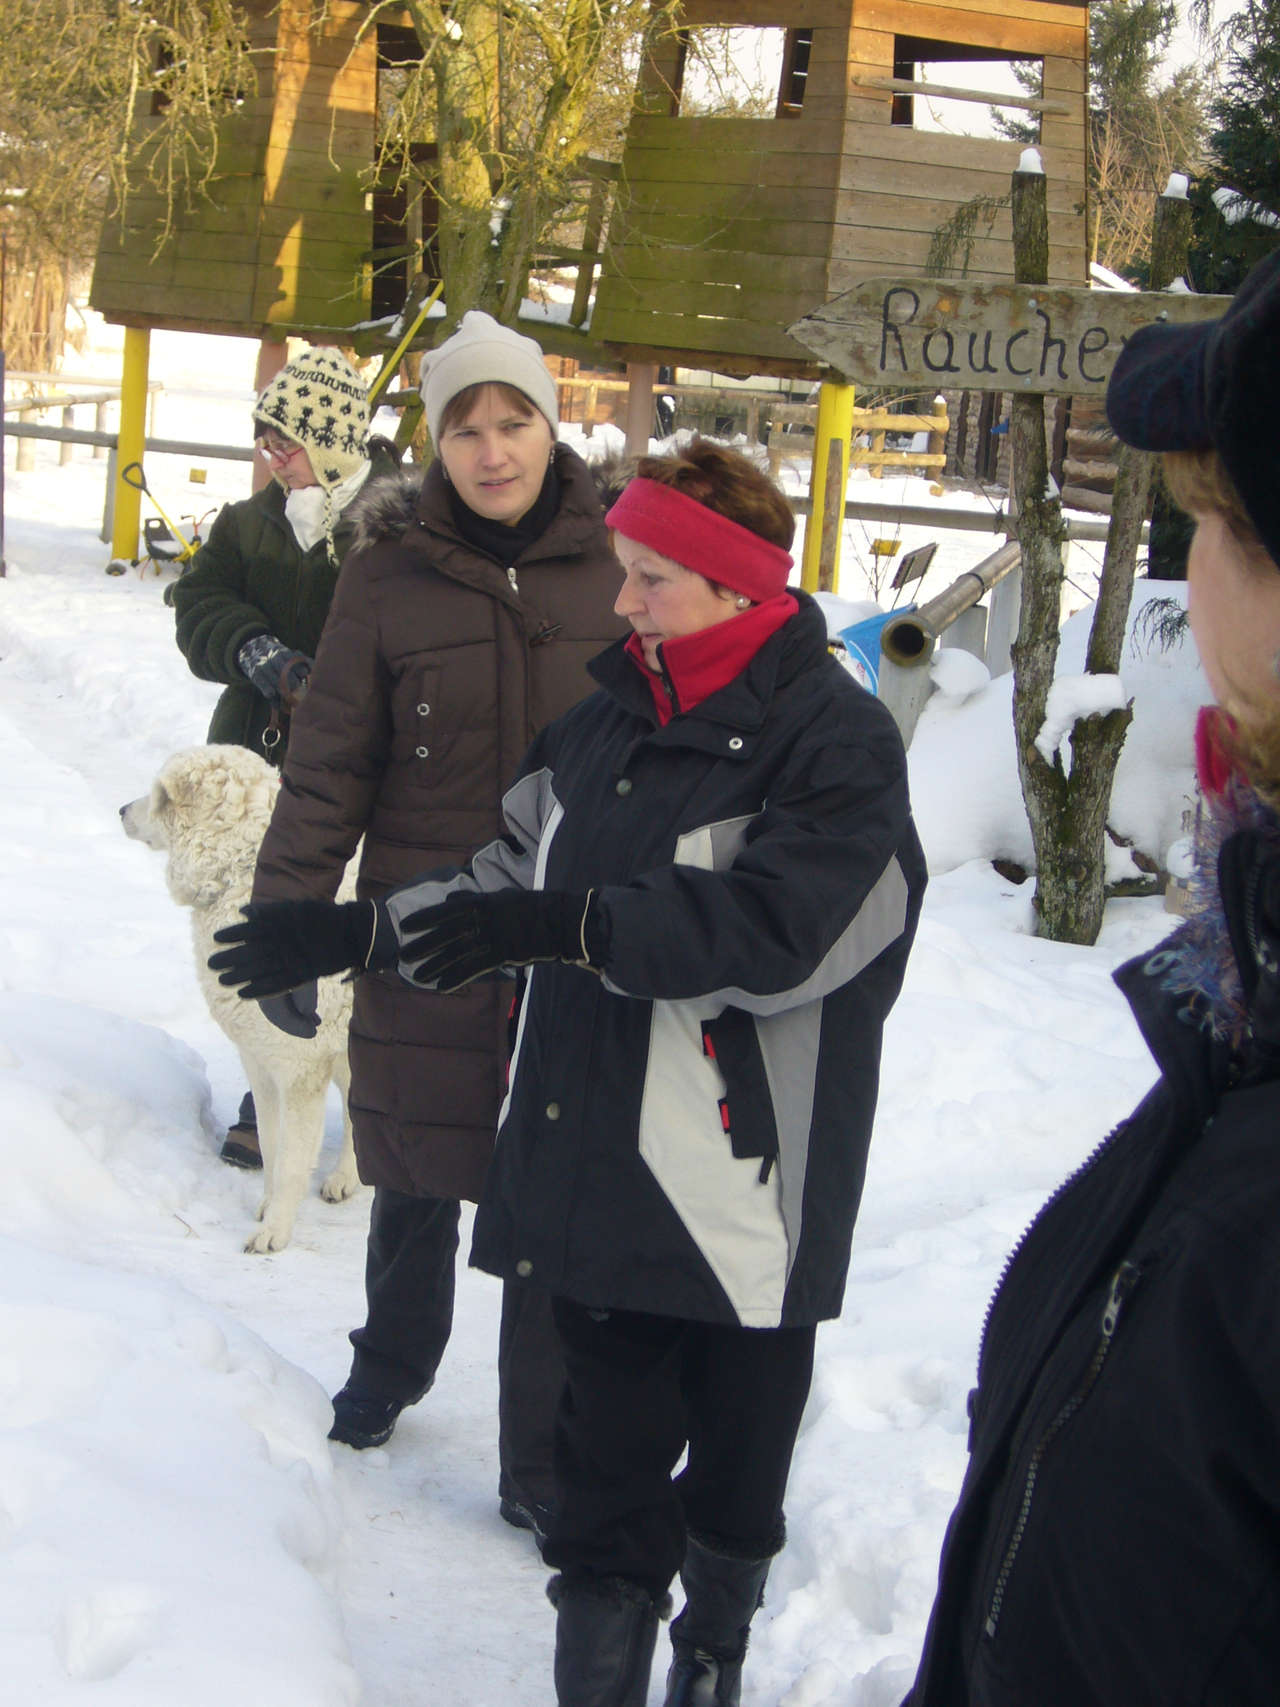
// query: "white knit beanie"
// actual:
[[320, 401], [483, 352]]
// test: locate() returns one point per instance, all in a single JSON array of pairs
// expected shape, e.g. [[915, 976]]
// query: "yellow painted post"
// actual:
[[820, 562], [132, 440]]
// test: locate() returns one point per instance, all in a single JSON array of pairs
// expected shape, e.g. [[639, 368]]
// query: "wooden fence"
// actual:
[[774, 413]]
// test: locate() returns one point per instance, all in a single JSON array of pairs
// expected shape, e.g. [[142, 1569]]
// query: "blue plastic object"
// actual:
[[862, 643]]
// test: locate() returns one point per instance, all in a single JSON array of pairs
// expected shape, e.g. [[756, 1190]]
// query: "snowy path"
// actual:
[[174, 1526], [441, 1601]]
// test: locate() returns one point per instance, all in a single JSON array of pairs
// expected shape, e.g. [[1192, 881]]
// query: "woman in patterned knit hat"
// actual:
[[252, 604]]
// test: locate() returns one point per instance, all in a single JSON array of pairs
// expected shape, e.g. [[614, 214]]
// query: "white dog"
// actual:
[[208, 810]]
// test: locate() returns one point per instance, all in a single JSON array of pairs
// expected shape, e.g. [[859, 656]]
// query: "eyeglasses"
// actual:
[[276, 448]]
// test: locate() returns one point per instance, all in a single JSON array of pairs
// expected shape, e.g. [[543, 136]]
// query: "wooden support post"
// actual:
[[877, 452], [820, 563], [132, 441], [1135, 469], [100, 426], [65, 448], [591, 233], [643, 376]]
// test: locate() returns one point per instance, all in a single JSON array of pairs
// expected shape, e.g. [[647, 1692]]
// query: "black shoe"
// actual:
[[522, 1513], [361, 1420], [240, 1146]]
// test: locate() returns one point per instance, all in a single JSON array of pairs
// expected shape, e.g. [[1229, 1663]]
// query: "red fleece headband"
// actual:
[[681, 528]]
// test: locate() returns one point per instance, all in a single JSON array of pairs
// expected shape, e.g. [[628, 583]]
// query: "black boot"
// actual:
[[709, 1638], [606, 1628]]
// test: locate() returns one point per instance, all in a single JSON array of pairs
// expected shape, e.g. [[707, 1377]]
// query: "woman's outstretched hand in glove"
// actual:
[[283, 944], [466, 936]]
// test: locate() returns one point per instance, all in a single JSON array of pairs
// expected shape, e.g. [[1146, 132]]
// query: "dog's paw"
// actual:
[[341, 1184], [269, 1237]]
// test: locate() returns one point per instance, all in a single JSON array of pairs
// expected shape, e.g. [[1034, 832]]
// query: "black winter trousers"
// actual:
[[409, 1291], [641, 1388]]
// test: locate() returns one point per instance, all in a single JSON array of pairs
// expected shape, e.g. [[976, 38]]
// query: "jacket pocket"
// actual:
[[746, 1109], [418, 729]]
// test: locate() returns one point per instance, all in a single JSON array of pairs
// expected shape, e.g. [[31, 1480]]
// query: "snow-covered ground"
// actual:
[[174, 1525]]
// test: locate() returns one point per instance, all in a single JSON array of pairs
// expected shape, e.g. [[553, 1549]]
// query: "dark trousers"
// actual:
[[641, 1388], [409, 1291], [530, 1380]]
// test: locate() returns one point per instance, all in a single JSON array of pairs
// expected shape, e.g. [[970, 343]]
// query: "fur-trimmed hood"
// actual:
[[387, 507]]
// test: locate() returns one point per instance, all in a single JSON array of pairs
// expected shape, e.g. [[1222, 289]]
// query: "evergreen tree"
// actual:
[[1238, 199], [1140, 128]]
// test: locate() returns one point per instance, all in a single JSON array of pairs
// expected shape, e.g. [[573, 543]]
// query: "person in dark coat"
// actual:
[[1117, 1537], [463, 620], [712, 869], [251, 607]]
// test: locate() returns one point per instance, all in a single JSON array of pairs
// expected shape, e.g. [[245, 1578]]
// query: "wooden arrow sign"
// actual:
[[966, 335]]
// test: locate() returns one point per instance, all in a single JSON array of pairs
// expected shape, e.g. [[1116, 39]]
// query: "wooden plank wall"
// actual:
[[283, 239], [729, 229], [721, 234], [898, 185]]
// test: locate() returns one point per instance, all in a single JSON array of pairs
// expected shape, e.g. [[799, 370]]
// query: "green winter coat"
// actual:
[[251, 577]]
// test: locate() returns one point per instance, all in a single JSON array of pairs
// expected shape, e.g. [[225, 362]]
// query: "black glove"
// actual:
[[279, 673], [283, 944], [296, 1012], [468, 935]]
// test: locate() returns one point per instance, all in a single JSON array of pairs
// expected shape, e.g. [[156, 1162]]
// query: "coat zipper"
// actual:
[[511, 576], [1123, 1282], [1086, 1167]]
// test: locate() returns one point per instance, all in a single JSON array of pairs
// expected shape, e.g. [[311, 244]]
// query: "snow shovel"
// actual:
[[164, 543]]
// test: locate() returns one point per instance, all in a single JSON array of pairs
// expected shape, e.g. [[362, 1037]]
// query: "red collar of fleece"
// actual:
[[694, 666]]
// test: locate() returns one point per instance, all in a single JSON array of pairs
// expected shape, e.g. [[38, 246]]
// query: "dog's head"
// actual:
[[207, 809]]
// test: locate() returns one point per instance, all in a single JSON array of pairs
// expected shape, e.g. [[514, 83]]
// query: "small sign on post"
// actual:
[[1049, 339]]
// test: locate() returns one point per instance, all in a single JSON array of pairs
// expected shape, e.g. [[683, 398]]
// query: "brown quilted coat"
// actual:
[[436, 668]]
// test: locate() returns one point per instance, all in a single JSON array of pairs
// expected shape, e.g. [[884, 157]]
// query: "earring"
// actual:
[[742, 601]]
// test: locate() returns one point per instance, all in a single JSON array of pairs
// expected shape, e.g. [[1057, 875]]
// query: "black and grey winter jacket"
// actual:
[[1117, 1538], [686, 1134]]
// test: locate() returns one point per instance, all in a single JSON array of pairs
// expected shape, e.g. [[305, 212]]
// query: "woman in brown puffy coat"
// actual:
[[462, 622]]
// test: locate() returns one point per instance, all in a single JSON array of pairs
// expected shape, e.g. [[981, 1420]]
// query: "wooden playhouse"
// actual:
[[727, 230], [291, 238]]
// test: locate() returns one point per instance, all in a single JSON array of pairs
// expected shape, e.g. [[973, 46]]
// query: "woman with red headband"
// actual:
[[711, 868]]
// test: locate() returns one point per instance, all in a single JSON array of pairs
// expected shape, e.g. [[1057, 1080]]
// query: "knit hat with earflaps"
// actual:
[[484, 352], [320, 401]]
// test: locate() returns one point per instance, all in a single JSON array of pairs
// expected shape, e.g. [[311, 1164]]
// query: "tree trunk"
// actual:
[[500, 194], [1066, 806]]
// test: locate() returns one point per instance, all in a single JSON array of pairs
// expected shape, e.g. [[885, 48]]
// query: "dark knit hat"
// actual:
[[1212, 385], [320, 401]]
